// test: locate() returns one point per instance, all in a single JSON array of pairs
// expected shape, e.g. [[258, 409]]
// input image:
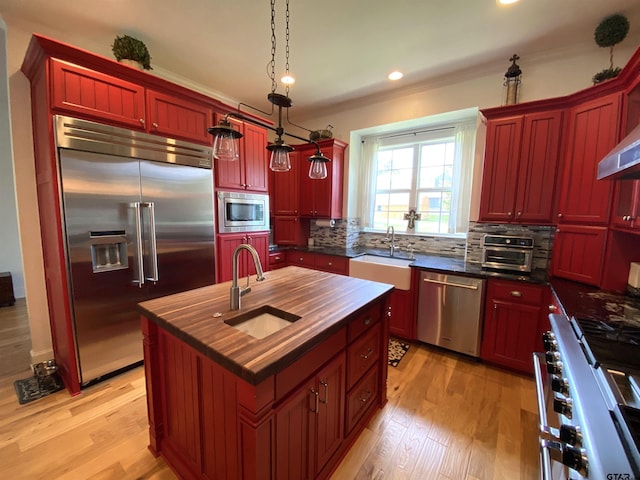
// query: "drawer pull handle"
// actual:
[[365, 356], [277, 258], [316, 394], [326, 391], [366, 397], [330, 264], [515, 293], [552, 308]]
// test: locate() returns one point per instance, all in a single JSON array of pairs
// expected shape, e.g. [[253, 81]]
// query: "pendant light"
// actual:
[[225, 143]]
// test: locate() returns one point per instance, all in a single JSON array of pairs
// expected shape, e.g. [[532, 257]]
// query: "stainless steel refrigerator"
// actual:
[[139, 224]]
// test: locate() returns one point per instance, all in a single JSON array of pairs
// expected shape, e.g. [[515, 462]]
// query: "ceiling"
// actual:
[[340, 50]]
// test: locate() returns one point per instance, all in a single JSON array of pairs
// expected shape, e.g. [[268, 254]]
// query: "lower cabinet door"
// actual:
[[510, 334], [295, 428], [330, 416], [578, 253]]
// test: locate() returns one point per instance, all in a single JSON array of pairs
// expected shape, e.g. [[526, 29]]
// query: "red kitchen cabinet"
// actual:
[[403, 316], [319, 261], [310, 426], [322, 198], [592, 132], [85, 93], [175, 117], [513, 312], [288, 230], [520, 168], [277, 260], [286, 188], [626, 205], [97, 96], [227, 243], [250, 171], [578, 253]]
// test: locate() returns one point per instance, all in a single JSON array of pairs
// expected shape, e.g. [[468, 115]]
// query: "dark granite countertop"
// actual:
[[585, 301]]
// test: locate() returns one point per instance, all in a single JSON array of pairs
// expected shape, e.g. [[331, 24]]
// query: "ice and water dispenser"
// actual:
[[108, 251]]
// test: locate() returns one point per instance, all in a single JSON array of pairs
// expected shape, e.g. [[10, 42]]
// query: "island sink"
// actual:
[[263, 321]]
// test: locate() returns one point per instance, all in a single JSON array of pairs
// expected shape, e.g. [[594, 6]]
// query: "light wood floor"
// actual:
[[447, 418]]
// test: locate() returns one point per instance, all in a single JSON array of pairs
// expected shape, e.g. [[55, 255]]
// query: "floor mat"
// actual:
[[397, 350], [29, 389]]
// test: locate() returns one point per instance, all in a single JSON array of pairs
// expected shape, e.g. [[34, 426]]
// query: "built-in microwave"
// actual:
[[242, 212]]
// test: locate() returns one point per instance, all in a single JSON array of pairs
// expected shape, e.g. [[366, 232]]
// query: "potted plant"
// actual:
[[611, 31], [126, 47]]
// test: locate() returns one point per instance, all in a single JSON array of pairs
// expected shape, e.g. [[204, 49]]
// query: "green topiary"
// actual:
[[127, 47], [611, 31]]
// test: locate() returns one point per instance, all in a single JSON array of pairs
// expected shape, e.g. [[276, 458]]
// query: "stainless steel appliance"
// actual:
[[450, 311], [138, 215], [242, 212], [589, 399], [623, 161], [507, 252]]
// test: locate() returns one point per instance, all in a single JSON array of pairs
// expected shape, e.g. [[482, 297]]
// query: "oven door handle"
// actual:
[[538, 360]]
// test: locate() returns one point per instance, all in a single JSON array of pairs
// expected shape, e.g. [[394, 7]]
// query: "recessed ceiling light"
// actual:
[[288, 80], [395, 75], [506, 2]]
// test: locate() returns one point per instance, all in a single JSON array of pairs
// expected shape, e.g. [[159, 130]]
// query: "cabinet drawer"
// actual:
[[333, 264], [517, 292], [362, 354], [364, 322], [277, 259], [301, 259], [302, 369], [361, 398]]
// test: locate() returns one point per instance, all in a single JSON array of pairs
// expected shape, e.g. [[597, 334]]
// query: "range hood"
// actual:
[[623, 162]]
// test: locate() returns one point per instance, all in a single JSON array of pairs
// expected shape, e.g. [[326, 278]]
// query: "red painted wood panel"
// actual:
[[361, 398], [578, 253], [230, 175], [538, 171], [591, 134], [175, 117], [286, 188], [255, 158], [288, 230], [330, 417], [500, 173], [362, 354], [403, 315], [97, 96]]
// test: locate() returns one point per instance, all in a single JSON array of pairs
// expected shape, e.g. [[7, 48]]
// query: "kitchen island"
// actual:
[[226, 404]]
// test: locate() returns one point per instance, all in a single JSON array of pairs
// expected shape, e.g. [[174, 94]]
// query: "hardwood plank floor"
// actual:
[[447, 418]]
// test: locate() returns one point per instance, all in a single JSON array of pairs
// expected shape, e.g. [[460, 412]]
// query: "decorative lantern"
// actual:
[[512, 82]]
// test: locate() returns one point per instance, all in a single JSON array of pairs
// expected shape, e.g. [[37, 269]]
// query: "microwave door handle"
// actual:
[[153, 251], [139, 256]]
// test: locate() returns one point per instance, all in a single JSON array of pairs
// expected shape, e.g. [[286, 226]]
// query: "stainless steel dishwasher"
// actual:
[[450, 311]]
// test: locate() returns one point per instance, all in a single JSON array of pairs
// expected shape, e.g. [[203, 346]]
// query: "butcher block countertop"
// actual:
[[325, 302]]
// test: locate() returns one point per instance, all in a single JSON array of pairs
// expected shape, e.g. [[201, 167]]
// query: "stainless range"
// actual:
[[589, 399]]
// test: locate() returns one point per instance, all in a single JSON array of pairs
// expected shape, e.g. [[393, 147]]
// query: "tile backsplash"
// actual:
[[347, 233]]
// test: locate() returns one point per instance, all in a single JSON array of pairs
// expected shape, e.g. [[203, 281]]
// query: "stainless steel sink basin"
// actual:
[[391, 270], [262, 322]]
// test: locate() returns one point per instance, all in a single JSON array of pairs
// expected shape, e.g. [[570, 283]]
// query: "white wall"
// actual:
[[10, 254], [552, 75]]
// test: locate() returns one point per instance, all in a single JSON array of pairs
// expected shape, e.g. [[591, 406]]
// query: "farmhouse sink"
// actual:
[[391, 270], [262, 322]]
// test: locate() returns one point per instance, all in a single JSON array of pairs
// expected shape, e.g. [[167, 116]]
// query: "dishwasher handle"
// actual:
[[439, 282]]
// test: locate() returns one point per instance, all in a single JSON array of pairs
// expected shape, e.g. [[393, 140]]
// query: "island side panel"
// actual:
[[152, 376]]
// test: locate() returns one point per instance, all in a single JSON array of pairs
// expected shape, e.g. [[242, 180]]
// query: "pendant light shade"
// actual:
[[318, 167], [225, 141], [280, 160]]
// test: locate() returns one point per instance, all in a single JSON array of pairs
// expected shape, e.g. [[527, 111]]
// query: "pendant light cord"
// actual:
[[272, 63], [286, 38]]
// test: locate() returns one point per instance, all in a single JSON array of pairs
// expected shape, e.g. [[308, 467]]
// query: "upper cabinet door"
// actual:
[[500, 176], [175, 117], [230, 175], [538, 170], [89, 94], [255, 158], [592, 132]]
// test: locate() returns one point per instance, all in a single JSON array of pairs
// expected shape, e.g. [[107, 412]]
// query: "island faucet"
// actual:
[[236, 292], [392, 245]]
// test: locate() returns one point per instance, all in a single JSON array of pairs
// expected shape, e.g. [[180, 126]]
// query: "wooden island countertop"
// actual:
[[325, 302]]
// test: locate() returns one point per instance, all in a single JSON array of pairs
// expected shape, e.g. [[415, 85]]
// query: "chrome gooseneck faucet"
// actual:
[[235, 291], [392, 245]]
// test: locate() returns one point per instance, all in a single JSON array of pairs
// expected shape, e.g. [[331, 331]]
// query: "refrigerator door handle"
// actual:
[[153, 253], [139, 256]]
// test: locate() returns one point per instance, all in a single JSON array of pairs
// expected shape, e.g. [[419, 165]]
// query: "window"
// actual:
[[428, 171]]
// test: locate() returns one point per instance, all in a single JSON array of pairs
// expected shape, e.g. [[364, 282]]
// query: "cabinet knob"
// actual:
[[559, 215], [515, 293], [277, 258], [247, 185], [552, 308], [508, 214], [300, 259], [155, 125], [519, 214], [330, 264], [141, 121]]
